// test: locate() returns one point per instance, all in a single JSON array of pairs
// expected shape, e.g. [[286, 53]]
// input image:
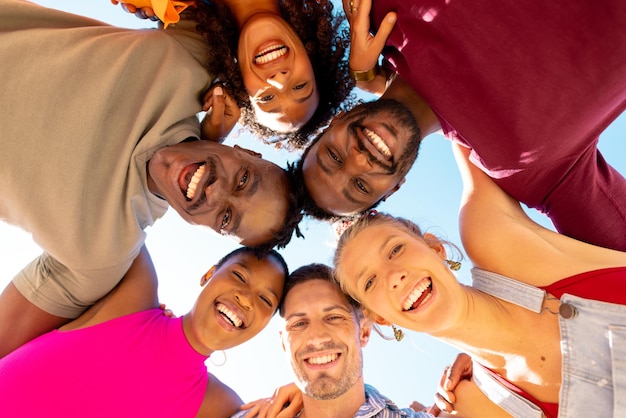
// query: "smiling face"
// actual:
[[362, 157], [323, 339], [238, 301], [277, 73], [231, 190], [400, 277]]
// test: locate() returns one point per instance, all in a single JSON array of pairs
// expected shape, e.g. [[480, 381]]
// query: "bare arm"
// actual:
[[137, 291], [219, 400], [499, 236]]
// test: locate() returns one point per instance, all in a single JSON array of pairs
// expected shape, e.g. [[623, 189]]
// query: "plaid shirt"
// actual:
[[375, 406]]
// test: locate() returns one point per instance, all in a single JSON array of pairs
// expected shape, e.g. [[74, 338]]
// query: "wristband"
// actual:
[[368, 75]]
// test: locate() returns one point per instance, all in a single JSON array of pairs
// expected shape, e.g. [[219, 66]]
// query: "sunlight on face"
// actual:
[[277, 73]]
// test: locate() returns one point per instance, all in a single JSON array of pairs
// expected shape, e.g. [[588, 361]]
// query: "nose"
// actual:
[[279, 79], [215, 192], [317, 335], [395, 279], [243, 299], [358, 160]]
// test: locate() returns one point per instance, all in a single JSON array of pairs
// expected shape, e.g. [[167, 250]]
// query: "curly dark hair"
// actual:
[[325, 37], [294, 215]]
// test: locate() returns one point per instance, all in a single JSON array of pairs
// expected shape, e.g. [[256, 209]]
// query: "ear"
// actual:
[[434, 243], [365, 330], [207, 276], [337, 116], [374, 317], [395, 189], [249, 151], [282, 340]]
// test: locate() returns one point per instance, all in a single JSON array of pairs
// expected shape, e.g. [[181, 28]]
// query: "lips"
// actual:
[[420, 293], [378, 143], [189, 178], [270, 53], [236, 319], [324, 359]]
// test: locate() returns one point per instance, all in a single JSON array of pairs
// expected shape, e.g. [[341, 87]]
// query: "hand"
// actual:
[[419, 407], [365, 48], [461, 369], [166, 312], [141, 13], [222, 113], [285, 403]]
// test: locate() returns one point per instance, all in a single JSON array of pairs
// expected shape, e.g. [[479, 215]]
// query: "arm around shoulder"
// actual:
[[220, 401]]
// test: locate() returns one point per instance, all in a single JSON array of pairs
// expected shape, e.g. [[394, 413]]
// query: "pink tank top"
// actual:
[[138, 365]]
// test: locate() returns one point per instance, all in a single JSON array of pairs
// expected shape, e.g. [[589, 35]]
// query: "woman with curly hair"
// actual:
[[283, 61]]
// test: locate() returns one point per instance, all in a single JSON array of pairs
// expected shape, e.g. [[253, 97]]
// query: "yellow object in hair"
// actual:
[[168, 11]]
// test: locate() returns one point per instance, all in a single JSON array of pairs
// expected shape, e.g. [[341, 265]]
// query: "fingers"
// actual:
[[460, 369], [130, 8], [443, 404], [433, 410], [217, 106], [384, 31]]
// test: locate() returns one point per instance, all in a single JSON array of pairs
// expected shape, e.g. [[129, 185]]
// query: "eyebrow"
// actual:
[[325, 310], [381, 247], [256, 181]]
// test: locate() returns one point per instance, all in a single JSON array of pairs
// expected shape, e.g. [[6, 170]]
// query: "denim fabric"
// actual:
[[593, 345]]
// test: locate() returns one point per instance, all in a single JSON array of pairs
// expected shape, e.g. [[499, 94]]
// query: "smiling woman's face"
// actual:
[[277, 73]]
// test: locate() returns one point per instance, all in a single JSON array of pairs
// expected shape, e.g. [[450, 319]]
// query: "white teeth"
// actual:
[[232, 317], [323, 359], [378, 142], [415, 294], [191, 188], [270, 54]]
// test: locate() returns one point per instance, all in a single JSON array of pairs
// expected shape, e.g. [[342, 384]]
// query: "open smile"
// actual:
[[270, 54], [191, 177], [322, 360], [420, 294], [231, 316]]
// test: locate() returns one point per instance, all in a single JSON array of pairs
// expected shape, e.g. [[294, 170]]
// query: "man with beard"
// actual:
[[107, 156], [323, 334], [528, 86], [362, 158]]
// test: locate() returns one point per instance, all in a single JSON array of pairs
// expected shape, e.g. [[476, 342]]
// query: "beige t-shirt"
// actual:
[[84, 105]]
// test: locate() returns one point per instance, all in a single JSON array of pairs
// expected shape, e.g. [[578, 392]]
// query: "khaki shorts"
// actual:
[[53, 287]]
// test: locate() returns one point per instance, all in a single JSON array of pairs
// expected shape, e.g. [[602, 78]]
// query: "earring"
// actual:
[[454, 265], [398, 334], [212, 358]]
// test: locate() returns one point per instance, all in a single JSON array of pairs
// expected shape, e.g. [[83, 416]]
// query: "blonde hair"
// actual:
[[378, 218]]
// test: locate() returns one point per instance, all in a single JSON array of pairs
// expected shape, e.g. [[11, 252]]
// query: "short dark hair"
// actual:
[[255, 252], [294, 215], [314, 271]]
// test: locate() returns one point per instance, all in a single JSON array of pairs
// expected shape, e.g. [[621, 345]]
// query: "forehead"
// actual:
[[314, 296], [266, 272]]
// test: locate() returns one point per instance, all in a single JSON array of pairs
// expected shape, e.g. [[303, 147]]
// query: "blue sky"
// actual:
[[404, 371]]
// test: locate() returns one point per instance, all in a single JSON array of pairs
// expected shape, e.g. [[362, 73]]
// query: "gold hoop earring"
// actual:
[[398, 334], [454, 265]]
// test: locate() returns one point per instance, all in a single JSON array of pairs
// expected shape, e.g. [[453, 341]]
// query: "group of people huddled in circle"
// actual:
[[521, 89]]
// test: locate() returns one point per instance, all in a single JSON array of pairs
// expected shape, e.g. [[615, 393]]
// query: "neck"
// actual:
[[482, 317], [242, 10], [401, 91], [345, 405], [192, 334]]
